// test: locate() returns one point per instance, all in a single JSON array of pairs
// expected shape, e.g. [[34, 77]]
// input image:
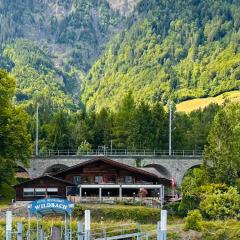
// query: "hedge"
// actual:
[[119, 213]]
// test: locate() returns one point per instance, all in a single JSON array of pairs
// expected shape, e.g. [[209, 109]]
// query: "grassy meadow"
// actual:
[[194, 104]]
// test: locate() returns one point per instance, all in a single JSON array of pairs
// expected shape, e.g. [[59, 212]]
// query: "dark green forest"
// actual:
[[133, 127]]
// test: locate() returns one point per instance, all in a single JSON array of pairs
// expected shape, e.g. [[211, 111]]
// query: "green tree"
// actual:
[[222, 155], [15, 142], [124, 123], [59, 136]]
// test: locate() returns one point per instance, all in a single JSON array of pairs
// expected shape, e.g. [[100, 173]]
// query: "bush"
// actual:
[[7, 192], [190, 189], [221, 205], [120, 213], [174, 209], [219, 230], [193, 220]]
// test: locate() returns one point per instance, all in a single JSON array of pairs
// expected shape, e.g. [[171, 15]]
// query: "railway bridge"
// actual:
[[175, 165]]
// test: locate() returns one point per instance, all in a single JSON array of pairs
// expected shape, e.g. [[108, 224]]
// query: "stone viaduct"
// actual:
[[176, 166]]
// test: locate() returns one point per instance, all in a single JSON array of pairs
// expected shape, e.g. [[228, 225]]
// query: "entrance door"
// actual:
[[56, 233]]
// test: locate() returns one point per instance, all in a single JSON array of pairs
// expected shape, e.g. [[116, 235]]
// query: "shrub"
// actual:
[[193, 220], [219, 230], [174, 209], [120, 213], [221, 205], [7, 192]]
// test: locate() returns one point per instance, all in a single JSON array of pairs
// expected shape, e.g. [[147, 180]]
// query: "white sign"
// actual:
[[164, 220]]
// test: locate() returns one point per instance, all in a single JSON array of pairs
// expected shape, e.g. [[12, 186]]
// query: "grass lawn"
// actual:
[[194, 104]]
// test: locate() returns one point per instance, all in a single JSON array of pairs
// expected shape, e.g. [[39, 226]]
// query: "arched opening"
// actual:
[[21, 174], [159, 170], [55, 168], [189, 170]]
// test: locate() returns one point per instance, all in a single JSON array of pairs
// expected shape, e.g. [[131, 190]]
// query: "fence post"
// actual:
[[19, 231], [80, 231], [41, 233], [146, 236], [87, 225], [139, 236], [163, 225], [159, 230], [8, 225]]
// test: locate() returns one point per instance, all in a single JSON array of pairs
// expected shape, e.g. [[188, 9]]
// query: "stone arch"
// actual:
[[55, 168], [21, 172], [197, 165], [163, 171]]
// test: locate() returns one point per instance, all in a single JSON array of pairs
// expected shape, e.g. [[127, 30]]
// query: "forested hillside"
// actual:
[[37, 77], [92, 52], [49, 45], [170, 49]]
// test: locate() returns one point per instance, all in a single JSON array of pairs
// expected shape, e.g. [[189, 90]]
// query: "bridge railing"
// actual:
[[121, 152]]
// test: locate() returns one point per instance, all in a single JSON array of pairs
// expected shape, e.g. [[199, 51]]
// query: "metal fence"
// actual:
[[83, 231], [120, 152], [124, 231]]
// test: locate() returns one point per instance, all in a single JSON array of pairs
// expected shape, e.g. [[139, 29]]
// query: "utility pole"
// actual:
[[36, 143], [111, 146], [170, 129]]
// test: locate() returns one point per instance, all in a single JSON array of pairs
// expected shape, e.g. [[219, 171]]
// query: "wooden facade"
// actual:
[[96, 172], [105, 171], [45, 186]]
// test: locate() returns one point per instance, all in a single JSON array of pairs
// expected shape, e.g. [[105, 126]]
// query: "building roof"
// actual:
[[110, 162], [155, 171], [48, 176]]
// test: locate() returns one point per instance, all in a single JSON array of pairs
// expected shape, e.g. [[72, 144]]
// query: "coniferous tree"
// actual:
[[222, 156]]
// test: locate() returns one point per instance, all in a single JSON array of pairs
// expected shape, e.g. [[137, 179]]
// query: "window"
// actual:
[[40, 191], [77, 179], [28, 192], [128, 179], [52, 191], [98, 179], [112, 179]]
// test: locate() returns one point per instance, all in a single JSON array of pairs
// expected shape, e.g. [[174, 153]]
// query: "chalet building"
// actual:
[[99, 178]]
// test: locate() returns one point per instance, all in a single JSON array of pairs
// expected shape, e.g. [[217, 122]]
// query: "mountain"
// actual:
[[71, 53], [64, 36], [170, 49]]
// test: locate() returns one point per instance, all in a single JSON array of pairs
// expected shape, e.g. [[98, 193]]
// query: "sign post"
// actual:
[[87, 225], [8, 225]]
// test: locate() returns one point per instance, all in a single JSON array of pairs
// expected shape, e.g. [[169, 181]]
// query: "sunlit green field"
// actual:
[[194, 104]]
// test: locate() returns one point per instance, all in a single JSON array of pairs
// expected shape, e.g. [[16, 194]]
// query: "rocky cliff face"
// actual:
[[125, 7]]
